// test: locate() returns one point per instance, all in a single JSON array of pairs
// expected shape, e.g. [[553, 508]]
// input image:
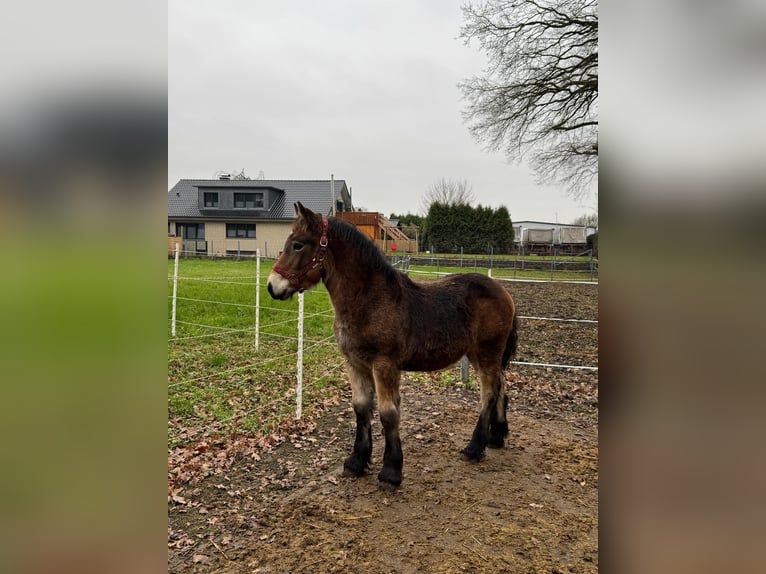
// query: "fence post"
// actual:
[[522, 249], [257, 295], [237, 249], [591, 264], [553, 261], [464, 369], [461, 256], [175, 292], [299, 388]]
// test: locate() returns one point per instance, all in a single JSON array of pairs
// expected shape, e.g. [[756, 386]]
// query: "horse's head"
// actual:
[[300, 265]]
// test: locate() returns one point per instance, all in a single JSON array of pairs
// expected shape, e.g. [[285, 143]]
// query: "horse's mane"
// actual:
[[369, 255]]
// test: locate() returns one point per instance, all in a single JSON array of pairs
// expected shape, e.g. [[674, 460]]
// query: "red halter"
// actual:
[[316, 261]]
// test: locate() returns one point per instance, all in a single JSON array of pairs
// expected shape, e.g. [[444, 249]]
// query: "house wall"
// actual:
[[270, 238]]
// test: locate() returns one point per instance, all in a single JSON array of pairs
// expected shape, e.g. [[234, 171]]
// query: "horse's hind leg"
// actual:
[[490, 429], [498, 425], [362, 399], [387, 389]]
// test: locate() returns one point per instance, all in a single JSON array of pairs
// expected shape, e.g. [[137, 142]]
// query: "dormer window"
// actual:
[[248, 200], [211, 199]]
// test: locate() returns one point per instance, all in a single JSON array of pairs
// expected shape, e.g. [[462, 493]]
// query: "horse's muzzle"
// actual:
[[279, 287]]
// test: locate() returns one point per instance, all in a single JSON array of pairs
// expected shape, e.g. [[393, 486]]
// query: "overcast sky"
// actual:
[[366, 91]]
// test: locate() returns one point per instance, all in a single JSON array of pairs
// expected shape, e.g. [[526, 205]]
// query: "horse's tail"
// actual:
[[510, 344]]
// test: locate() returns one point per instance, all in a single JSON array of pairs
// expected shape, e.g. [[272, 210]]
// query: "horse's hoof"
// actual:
[[387, 486], [499, 443], [353, 468], [389, 480], [470, 455]]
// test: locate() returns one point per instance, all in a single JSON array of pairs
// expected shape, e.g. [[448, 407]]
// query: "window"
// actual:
[[190, 230], [211, 198], [240, 230], [248, 200], [171, 229]]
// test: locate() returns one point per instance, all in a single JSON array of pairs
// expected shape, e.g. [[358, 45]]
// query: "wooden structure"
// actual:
[[172, 242], [388, 237]]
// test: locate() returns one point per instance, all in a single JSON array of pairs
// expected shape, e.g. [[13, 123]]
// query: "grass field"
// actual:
[[424, 272], [217, 383]]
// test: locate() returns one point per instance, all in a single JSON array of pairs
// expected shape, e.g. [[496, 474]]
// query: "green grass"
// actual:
[[219, 385], [423, 272]]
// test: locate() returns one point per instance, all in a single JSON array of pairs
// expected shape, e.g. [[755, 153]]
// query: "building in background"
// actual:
[[541, 236], [385, 233], [218, 217]]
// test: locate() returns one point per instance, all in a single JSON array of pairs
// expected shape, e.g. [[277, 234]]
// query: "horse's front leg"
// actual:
[[362, 399], [387, 389]]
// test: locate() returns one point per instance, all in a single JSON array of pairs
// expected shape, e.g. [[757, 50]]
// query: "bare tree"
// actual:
[[447, 192], [587, 220], [538, 97]]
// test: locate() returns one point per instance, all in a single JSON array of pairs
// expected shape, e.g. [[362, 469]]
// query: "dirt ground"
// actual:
[[529, 507]]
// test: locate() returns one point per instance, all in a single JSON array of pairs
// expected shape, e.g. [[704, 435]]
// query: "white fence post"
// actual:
[[257, 295], [175, 292], [464, 369], [299, 389]]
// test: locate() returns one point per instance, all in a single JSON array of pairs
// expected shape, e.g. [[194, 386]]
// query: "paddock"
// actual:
[[285, 506]]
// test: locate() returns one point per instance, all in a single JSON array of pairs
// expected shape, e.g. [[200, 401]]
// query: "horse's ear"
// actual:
[[304, 212]]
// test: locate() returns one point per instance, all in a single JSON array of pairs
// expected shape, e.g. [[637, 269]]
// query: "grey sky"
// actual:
[[366, 91]]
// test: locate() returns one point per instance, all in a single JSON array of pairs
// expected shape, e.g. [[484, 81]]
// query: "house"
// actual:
[[235, 217]]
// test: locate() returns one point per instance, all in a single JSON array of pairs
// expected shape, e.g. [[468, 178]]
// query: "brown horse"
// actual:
[[386, 323]]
